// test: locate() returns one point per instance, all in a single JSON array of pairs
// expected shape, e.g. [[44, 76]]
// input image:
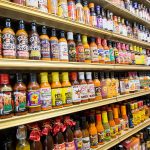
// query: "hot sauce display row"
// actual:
[[66, 48], [56, 90], [84, 131]]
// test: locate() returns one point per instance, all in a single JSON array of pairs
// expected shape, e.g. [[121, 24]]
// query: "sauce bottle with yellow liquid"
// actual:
[[113, 85]]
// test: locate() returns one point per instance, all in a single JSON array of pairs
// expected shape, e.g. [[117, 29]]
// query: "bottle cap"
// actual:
[[73, 75], [91, 5], [84, 38], [81, 75], [4, 79], [70, 35], [88, 75], [104, 117]]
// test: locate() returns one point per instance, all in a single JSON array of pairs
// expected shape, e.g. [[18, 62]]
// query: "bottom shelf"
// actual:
[[124, 135]]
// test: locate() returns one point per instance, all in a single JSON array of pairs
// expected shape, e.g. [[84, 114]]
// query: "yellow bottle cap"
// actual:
[[55, 76]]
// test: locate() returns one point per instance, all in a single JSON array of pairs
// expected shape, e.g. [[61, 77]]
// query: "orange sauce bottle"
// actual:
[[66, 90], [56, 91], [106, 51], [45, 92], [71, 10], [52, 6], [113, 85], [79, 12]]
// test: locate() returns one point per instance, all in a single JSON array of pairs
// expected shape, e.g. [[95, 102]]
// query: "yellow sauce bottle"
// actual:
[[113, 85], [134, 114], [137, 112]]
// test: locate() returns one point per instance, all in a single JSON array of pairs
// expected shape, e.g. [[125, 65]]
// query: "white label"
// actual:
[[76, 93], [63, 51], [84, 91], [91, 91], [122, 86], [32, 3], [94, 53], [86, 143]]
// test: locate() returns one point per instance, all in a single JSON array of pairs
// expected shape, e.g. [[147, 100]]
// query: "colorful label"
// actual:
[[137, 84], [5, 103], [57, 97], [9, 44], [97, 91], [122, 86], [45, 97], [116, 53], [62, 9], [104, 91], [0, 43], [43, 5], [93, 21], [119, 128], [86, 16], [84, 92], [113, 131], [71, 10], [94, 140], [72, 52], [111, 52], [20, 101], [105, 23], [33, 98], [101, 55], [99, 22], [91, 91], [79, 13], [78, 143], [45, 48], [131, 85], [54, 49], [67, 95], [63, 51], [101, 137], [94, 54], [80, 53], [87, 54], [86, 143], [106, 55], [107, 134], [59, 146], [70, 145], [76, 93]]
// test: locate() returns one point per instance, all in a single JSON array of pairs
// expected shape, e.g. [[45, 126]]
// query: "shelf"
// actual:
[[125, 135], [12, 10]]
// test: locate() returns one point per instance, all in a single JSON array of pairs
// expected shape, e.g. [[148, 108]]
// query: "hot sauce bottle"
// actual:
[[66, 90], [56, 91], [54, 46], [86, 11], [43, 5], [19, 93], [22, 42], [76, 95], [8, 41], [63, 47], [71, 47], [34, 43], [71, 10], [62, 8], [111, 52], [93, 20], [33, 94], [90, 86], [79, 12], [104, 19], [80, 49], [45, 44], [6, 106], [113, 85], [0, 43], [99, 17], [84, 88], [106, 51], [45, 92], [52, 7], [87, 52]]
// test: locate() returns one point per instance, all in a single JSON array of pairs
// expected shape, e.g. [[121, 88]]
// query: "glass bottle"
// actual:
[[71, 10], [86, 13], [99, 17], [113, 85], [62, 8], [52, 7], [79, 12], [104, 87], [104, 19], [111, 52], [93, 20], [129, 115], [106, 51], [43, 5]]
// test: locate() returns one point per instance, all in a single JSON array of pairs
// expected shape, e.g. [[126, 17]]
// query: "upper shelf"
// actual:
[[15, 11]]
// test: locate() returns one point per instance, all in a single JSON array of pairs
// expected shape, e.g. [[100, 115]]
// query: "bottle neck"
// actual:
[[33, 77], [53, 33], [55, 77], [21, 26], [19, 78], [8, 23], [44, 78], [65, 77], [88, 75], [81, 76]]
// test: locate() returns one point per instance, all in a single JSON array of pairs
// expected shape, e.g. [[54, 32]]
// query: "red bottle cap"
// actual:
[[4, 79], [98, 117], [73, 75], [122, 46], [127, 47], [98, 40], [104, 42], [118, 46]]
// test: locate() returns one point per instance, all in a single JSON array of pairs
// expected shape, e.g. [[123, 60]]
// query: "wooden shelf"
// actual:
[[19, 120], [124, 135], [15, 11]]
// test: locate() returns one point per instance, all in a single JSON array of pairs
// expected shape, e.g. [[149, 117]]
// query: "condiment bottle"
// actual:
[[90, 86], [85, 134], [111, 52], [101, 56], [8, 41], [45, 92], [45, 44], [32, 3], [106, 51], [43, 5], [106, 126], [104, 87], [63, 47], [87, 52], [104, 19], [80, 49], [78, 137], [6, 105], [116, 53], [94, 51], [76, 95], [22, 42], [100, 129], [53, 6], [62, 8], [0, 43], [112, 124], [84, 89], [79, 12], [71, 10], [93, 20], [56, 91], [71, 47], [93, 132], [113, 85], [86, 12], [129, 115], [19, 93], [116, 26], [34, 43], [54, 46], [66, 90], [33, 94], [97, 85], [99, 17]]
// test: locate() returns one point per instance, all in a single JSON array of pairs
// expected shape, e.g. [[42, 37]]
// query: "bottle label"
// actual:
[[76, 93], [57, 97], [33, 97], [59, 146], [111, 52], [93, 21], [116, 56], [70, 145], [98, 91], [105, 24], [86, 16], [67, 95], [87, 54], [94, 140], [99, 22], [45, 97], [78, 143], [20, 101], [122, 86], [137, 84], [131, 85], [62, 9], [101, 137], [107, 134], [101, 54], [54, 49], [5, 103], [86, 143], [84, 92], [79, 14], [43, 5], [22, 46], [94, 54], [119, 128], [71, 10], [9, 44], [80, 53], [32, 3], [91, 91], [104, 91], [106, 55], [113, 131], [63, 49], [0, 43], [45, 48], [72, 52]]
